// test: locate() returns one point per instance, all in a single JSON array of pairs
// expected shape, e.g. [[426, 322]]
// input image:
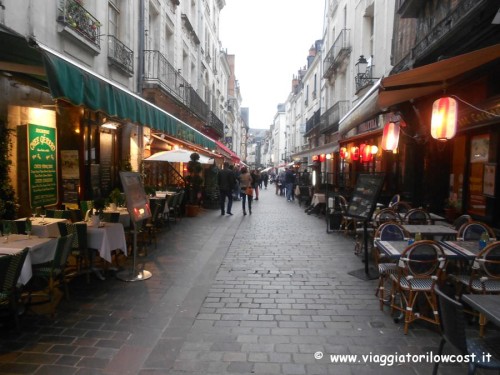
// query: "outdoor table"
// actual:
[[488, 306], [317, 199], [394, 249], [430, 230], [41, 250], [46, 227], [435, 217], [105, 238], [467, 249]]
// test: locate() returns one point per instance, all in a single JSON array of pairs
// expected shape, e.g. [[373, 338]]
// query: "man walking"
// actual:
[[289, 181], [226, 180]]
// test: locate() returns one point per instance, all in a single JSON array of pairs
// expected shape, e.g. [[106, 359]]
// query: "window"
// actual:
[[113, 17]]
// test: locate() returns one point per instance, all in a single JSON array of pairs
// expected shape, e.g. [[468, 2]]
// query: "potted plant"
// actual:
[[193, 185], [115, 199], [451, 209]]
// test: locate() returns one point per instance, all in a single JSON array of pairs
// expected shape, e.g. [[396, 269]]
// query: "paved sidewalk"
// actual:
[[265, 293]]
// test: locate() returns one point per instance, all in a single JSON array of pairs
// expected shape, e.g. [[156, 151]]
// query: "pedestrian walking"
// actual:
[[246, 181], [256, 178], [289, 181], [265, 179], [226, 180]]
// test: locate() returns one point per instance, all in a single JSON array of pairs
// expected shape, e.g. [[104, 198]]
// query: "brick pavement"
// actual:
[[257, 294]]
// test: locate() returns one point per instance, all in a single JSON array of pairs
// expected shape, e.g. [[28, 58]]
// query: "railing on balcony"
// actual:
[[365, 79], [158, 71], [120, 55], [313, 122], [329, 121], [337, 53], [215, 123], [73, 15]]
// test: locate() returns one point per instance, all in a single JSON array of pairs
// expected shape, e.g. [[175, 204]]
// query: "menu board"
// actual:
[[42, 165], [137, 201], [365, 195]]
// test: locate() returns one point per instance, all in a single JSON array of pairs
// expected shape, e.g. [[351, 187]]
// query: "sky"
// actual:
[[270, 40]]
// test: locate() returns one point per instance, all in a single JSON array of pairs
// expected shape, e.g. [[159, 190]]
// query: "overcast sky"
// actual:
[[270, 40]]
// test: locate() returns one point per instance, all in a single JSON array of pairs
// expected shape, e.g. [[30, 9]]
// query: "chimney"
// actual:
[[312, 54]]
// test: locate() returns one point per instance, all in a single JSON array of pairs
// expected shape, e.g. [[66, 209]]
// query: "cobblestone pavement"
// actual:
[[267, 293]]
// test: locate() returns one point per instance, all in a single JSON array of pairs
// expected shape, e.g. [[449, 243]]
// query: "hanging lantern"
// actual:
[[366, 153], [343, 153], [315, 158], [328, 156], [374, 150], [355, 153], [322, 157], [444, 119], [390, 137]]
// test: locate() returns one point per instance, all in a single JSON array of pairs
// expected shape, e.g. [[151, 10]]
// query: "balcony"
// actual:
[[313, 122], [364, 79], [77, 19], [339, 51], [159, 72], [120, 55], [215, 124], [329, 121], [189, 27]]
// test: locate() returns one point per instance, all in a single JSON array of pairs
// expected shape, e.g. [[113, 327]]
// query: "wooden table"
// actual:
[[41, 250], [45, 228], [488, 306]]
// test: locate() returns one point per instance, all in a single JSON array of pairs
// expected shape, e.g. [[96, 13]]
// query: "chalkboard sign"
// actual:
[[365, 195]]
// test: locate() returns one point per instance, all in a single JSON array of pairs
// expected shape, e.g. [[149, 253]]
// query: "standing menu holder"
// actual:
[[361, 206], [139, 210]]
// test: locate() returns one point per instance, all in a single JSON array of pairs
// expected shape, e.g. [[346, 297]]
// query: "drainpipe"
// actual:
[[140, 77]]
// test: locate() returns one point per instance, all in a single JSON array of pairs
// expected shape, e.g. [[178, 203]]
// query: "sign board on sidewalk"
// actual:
[[42, 164], [365, 195], [137, 200]]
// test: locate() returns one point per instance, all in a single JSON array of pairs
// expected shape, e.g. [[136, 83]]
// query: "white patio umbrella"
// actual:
[[178, 156]]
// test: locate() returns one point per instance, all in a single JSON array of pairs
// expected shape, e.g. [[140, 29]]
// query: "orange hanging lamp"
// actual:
[[390, 137], [444, 119]]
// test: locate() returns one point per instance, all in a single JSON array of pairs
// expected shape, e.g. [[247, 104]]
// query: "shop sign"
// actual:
[[42, 155], [471, 117], [367, 126]]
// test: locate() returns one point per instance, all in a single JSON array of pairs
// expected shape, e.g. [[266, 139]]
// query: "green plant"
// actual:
[[194, 180], [8, 201], [116, 197]]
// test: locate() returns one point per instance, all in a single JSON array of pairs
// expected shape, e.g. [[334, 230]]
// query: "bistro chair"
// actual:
[[79, 249], [111, 217], [386, 215], [472, 231], [62, 214], [401, 207], [13, 226], [52, 274], [347, 221], [10, 270], [461, 220], [419, 268], [417, 216], [390, 231], [453, 328], [76, 215], [394, 200]]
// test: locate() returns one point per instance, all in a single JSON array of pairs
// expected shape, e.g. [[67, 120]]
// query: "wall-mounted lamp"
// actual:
[[444, 119], [361, 65], [390, 137], [110, 125]]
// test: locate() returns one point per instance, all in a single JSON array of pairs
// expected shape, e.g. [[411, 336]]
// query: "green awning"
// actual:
[[81, 86]]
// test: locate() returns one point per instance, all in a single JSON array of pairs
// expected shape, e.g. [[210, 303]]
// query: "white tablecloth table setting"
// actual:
[[105, 238], [46, 227], [41, 250], [124, 215]]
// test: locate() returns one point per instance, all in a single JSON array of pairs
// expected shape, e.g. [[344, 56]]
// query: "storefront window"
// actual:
[[479, 153]]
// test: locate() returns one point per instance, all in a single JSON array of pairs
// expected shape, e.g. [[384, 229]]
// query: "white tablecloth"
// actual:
[[41, 250], [317, 199], [48, 229], [107, 238]]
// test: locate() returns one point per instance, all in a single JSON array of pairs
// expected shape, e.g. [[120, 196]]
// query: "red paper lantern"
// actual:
[[315, 158], [322, 157], [366, 153], [355, 153], [343, 153], [444, 118], [390, 137]]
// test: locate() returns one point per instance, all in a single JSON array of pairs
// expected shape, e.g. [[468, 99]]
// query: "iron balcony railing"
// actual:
[[158, 71], [215, 123], [313, 122], [365, 79], [340, 50], [329, 121], [73, 15], [120, 55]]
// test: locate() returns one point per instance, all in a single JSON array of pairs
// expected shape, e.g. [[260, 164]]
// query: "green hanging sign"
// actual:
[[42, 155]]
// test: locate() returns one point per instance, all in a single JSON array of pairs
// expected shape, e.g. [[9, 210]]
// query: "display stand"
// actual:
[[139, 210], [361, 206]]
